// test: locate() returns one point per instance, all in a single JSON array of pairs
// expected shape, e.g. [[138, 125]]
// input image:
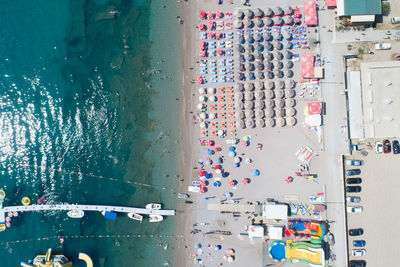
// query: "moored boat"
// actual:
[[155, 218], [135, 216], [153, 206], [76, 213], [183, 196]]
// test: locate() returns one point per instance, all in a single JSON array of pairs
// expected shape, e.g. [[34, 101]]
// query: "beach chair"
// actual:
[[213, 133]]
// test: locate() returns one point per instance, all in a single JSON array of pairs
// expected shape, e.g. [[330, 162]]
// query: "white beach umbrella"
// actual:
[[221, 132], [249, 114], [291, 121], [290, 93], [259, 113], [267, 36], [279, 65], [250, 67], [269, 112], [280, 121], [249, 13], [280, 84], [287, 35], [239, 105], [277, 36], [259, 57], [278, 45], [250, 75], [269, 103], [241, 76], [278, 55], [290, 111], [260, 75], [279, 103], [258, 12], [213, 98], [286, 44], [240, 48], [259, 47], [249, 48], [241, 124], [259, 23], [278, 21], [269, 85], [259, 85], [239, 87], [203, 125], [202, 90], [249, 86], [239, 14], [238, 24], [268, 12], [278, 73], [268, 56], [203, 115], [249, 124], [270, 75], [248, 105], [270, 122], [290, 102], [259, 104], [291, 84], [269, 94], [257, 37], [288, 10], [259, 94], [288, 64], [211, 90], [213, 116], [239, 114], [238, 96], [248, 96], [280, 112], [288, 20], [202, 98], [200, 106], [268, 46], [260, 123], [248, 23], [278, 11]]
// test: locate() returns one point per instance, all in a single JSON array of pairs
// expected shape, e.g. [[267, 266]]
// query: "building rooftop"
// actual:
[[362, 7]]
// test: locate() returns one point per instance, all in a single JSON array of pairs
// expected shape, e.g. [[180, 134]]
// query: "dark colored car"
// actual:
[[354, 180], [387, 148], [358, 263], [359, 243], [396, 147], [352, 172], [353, 189], [356, 232]]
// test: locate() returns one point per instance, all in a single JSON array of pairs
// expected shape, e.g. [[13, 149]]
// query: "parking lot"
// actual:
[[379, 200]]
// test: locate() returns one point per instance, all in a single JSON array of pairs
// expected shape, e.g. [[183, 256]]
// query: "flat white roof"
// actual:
[[362, 18], [340, 7], [256, 231], [355, 105], [275, 232], [275, 211]]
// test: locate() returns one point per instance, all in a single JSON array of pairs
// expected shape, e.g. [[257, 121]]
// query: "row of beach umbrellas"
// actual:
[[266, 47], [268, 113], [267, 94], [281, 84], [268, 12], [266, 37], [269, 122], [265, 104], [265, 66], [241, 76], [258, 22]]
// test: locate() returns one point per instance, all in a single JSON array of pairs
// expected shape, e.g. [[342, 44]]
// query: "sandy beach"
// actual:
[[275, 161]]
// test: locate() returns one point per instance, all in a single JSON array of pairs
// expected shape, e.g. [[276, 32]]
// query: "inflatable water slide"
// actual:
[[305, 229]]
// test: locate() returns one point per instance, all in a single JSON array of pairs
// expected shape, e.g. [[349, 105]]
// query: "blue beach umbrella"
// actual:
[[232, 154], [218, 161], [236, 165], [218, 247], [217, 184], [208, 175], [256, 172], [225, 174], [210, 152], [232, 148]]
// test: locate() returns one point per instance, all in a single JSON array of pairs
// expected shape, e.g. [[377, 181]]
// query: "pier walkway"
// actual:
[[68, 207]]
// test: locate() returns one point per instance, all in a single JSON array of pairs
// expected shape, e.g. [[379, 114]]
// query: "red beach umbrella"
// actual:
[[202, 190], [218, 149], [218, 35], [202, 14], [210, 35], [203, 53], [210, 15], [202, 173], [199, 80], [203, 183], [202, 27], [210, 24], [245, 180], [219, 52], [297, 12], [217, 167], [232, 182], [219, 14]]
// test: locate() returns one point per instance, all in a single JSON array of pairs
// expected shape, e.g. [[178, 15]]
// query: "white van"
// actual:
[[395, 20]]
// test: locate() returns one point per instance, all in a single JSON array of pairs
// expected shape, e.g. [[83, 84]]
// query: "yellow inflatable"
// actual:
[[26, 201]]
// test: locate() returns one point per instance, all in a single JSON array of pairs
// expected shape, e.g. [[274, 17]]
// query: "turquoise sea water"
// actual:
[[82, 114]]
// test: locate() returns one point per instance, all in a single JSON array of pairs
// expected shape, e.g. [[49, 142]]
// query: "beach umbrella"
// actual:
[[249, 114], [218, 247], [259, 57], [257, 37], [278, 11], [290, 112], [259, 85], [269, 65], [239, 14], [239, 87], [277, 36], [242, 68], [203, 183], [280, 112], [286, 44], [202, 98], [211, 35], [270, 122], [249, 48], [280, 121], [259, 104], [239, 96], [269, 113], [202, 14], [287, 35], [241, 76], [241, 40], [198, 245], [250, 66], [210, 15], [291, 121], [232, 148], [219, 52], [279, 65], [259, 94], [267, 36], [202, 190], [248, 96], [238, 24], [279, 103], [259, 113], [260, 75], [260, 123], [269, 85], [210, 143], [210, 24], [269, 94], [232, 154], [268, 12], [203, 115], [232, 182], [217, 184], [228, 194], [213, 98], [249, 86], [268, 56], [278, 45], [250, 75], [240, 49], [258, 12], [241, 58], [245, 181], [249, 39], [269, 103], [218, 171], [268, 46], [219, 14], [217, 167], [202, 90], [259, 47], [290, 102], [290, 93], [210, 152], [211, 90], [203, 125], [288, 10], [200, 106], [208, 175], [255, 172], [248, 104], [278, 73], [248, 13], [237, 159], [212, 116], [202, 173], [249, 123], [280, 84], [278, 55], [288, 20], [218, 149], [259, 23], [249, 57], [239, 105], [289, 73], [248, 23], [288, 54], [290, 84], [202, 27], [288, 64], [240, 124], [199, 80], [277, 21], [270, 75]]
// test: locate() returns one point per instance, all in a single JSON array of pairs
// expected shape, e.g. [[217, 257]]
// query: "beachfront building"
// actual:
[[359, 11], [374, 100]]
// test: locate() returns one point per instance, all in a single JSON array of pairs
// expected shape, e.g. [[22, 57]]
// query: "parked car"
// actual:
[[396, 147], [354, 162], [353, 199], [359, 243], [358, 252], [395, 20], [354, 209], [383, 46], [378, 147], [387, 148], [356, 232], [353, 189], [354, 180], [353, 172], [357, 263]]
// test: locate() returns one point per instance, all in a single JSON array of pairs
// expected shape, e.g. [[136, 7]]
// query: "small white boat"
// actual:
[[76, 213], [183, 196], [153, 206], [135, 216], [155, 218]]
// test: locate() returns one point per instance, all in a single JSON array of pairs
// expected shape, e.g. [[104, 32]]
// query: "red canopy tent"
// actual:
[[314, 108], [330, 3], [297, 12], [202, 14], [310, 13], [307, 65]]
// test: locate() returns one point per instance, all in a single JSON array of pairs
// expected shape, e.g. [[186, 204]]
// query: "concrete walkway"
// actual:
[[370, 35]]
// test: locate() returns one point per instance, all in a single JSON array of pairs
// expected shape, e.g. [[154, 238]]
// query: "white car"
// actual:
[[354, 209], [354, 162], [358, 252], [378, 147], [384, 46]]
